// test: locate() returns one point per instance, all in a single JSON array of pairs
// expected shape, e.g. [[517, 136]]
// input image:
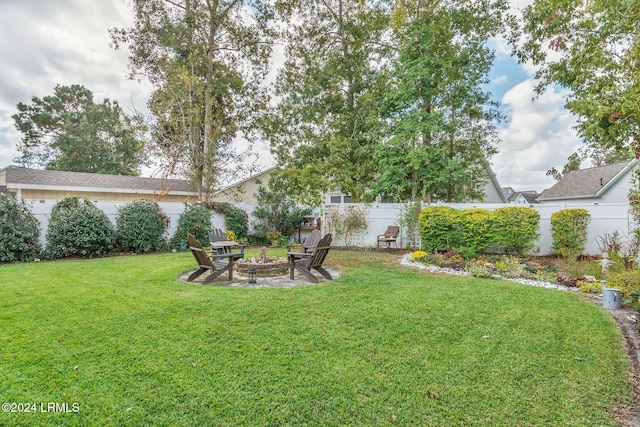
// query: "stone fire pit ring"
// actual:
[[273, 267]]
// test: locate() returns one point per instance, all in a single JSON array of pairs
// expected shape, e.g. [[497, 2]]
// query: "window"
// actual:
[[335, 199], [348, 199]]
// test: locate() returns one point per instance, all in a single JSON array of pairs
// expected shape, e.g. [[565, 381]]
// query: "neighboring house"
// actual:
[[507, 191], [493, 193], [244, 191], [35, 184], [523, 198], [42, 189], [604, 184]]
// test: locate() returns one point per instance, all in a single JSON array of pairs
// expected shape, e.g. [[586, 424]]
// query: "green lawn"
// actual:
[[382, 345]]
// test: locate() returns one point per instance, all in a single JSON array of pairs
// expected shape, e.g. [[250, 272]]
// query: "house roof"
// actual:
[[529, 196], [587, 183], [19, 177]]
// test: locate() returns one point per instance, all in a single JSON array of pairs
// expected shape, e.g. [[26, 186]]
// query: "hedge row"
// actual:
[[471, 231], [77, 228]]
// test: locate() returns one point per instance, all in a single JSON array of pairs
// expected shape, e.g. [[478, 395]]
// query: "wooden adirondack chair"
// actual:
[[305, 262], [215, 265], [220, 245], [309, 244], [390, 236]]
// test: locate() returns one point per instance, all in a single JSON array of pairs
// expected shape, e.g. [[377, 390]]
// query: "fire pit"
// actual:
[[265, 267]]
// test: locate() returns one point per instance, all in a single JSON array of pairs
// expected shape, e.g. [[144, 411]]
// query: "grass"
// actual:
[[382, 345]]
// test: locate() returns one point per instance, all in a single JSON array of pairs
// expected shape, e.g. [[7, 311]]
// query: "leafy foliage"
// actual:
[[408, 220], [477, 231], [235, 219], [194, 220], [141, 226], [78, 228], [206, 61], [516, 228], [471, 231], [69, 131], [591, 48], [627, 281], [277, 209], [439, 228], [442, 121], [19, 231], [326, 126], [346, 221], [569, 229]]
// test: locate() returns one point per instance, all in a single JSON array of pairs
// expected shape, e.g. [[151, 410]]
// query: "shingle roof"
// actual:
[[529, 196], [583, 183], [15, 176]]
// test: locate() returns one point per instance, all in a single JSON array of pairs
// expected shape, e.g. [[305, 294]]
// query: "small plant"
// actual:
[[627, 281], [417, 255], [283, 241], [480, 271], [408, 220], [589, 284], [273, 235], [231, 236]]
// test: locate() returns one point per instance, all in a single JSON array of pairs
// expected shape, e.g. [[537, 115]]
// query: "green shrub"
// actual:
[[627, 281], [516, 228], [235, 219], [477, 231], [141, 226], [569, 229], [439, 228], [78, 228], [195, 220], [20, 231]]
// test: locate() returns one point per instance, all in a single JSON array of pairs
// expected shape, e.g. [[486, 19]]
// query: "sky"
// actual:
[[67, 42]]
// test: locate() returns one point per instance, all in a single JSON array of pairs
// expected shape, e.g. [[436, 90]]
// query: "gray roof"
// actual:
[[19, 177], [529, 196], [585, 183]]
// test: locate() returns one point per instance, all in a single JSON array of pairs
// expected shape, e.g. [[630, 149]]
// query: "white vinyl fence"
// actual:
[[42, 211], [605, 219]]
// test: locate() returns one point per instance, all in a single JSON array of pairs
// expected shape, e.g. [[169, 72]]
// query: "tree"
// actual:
[[442, 122], [573, 164], [206, 60], [326, 126], [277, 210], [69, 131], [592, 49]]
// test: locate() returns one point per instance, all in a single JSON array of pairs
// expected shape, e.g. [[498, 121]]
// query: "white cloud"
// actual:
[[500, 80], [539, 136]]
